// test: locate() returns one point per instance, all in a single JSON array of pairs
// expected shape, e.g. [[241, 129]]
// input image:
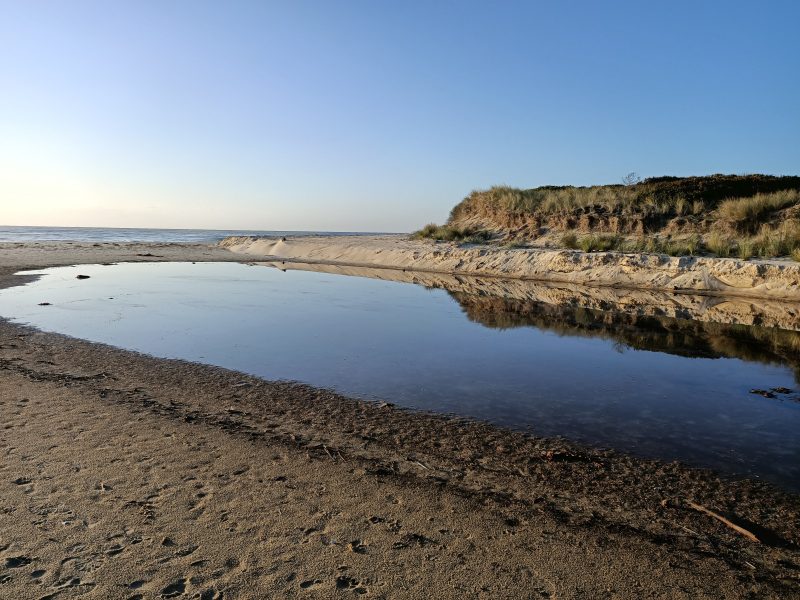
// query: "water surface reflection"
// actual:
[[658, 375]]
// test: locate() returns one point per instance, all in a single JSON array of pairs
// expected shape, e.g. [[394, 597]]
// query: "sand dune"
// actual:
[[716, 276]]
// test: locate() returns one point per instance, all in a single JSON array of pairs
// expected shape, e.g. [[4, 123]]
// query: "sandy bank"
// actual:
[[123, 473], [776, 280], [730, 310]]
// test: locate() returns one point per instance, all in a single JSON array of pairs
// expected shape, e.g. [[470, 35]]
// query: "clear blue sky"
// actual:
[[373, 115]]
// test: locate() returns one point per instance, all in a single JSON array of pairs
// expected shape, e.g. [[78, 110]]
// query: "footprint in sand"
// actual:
[[345, 582], [173, 590], [15, 562], [357, 547]]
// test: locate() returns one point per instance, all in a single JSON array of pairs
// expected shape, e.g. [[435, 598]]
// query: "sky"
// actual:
[[370, 115]]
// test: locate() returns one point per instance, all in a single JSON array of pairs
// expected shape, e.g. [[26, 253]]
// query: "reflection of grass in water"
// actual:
[[639, 332]]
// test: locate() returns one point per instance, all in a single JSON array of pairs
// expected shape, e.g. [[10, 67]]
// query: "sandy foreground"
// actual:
[[125, 476]]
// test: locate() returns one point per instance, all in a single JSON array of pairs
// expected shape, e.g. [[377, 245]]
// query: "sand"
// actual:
[[703, 308], [125, 476], [775, 279]]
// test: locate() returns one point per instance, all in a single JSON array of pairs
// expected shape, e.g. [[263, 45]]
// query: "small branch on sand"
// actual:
[[692, 531], [707, 511]]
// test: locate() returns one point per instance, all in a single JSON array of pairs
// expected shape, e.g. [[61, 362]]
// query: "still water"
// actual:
[[656, 387]]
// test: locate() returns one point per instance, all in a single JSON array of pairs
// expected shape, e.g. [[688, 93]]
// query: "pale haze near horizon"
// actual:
[[364, 116]]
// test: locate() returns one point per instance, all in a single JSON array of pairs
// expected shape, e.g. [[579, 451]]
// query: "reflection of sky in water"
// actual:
[[415, 347]]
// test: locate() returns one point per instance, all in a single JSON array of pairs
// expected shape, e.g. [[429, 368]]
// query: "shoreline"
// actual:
[[724, 277], [548, 506], [706, 308]]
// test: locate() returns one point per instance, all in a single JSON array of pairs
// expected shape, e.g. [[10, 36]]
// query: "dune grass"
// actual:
[[783, 240], [598, 243], [722, 215], [748, 213], [720, 244], [449, 233], [770, 242], [665, 196], [570, 240]]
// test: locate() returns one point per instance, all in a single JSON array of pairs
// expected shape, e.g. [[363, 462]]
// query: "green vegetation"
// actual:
[[449, 233], [783, 240], [657, 196], [747, 213], [570, 240], [690, 246], [720, 244], [598, 243], [724, 215]]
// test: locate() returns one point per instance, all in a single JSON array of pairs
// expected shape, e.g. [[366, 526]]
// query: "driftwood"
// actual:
[[707, 511]]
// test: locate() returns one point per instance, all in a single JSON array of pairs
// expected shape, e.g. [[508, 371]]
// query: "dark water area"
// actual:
[[123, 235], [655, 386]]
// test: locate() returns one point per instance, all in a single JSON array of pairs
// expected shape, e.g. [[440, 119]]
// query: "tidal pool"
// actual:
[[654, 386]]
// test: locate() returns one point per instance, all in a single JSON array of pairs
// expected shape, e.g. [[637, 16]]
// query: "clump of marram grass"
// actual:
[[449, 233], [776, 241], [748, 213], [745, 249], [598, 243], [569, 240], [645, 245], [690, 246], [720, 244]]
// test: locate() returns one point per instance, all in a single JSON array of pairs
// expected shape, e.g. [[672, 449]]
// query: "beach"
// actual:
[[128, 476]]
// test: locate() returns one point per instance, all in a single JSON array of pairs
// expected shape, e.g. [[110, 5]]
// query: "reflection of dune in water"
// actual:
[[640, 332], [685, 325], [712, 309]]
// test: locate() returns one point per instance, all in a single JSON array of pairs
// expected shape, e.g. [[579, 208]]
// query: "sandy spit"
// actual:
[[705, 308], [125, 476], [717, 276]]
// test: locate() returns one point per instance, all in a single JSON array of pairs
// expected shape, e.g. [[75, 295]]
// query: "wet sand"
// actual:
[[126, 476]]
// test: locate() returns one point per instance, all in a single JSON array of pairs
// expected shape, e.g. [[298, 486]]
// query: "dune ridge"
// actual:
[[777, 280]]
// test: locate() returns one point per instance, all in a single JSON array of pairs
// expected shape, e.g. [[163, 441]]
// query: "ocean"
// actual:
[[113, 234]]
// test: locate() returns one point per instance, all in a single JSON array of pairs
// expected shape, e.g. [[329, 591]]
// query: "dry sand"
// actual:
[[704, 308], [124, 476], [775, 279]]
